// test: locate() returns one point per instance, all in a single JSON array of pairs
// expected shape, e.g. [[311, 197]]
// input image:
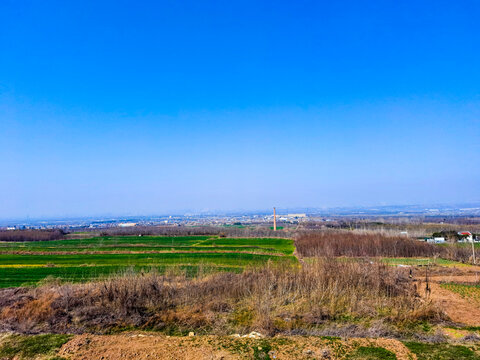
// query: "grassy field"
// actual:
[[26, 263], [32, 275], [329, 293], [32, 347], [153, 243]]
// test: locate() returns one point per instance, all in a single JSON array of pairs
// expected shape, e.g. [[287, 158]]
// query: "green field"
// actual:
[[420, 261], [153, 243], [26, 263], [22, 276], [396, 261]]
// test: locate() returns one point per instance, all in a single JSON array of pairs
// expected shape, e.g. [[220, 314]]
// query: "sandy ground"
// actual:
[[148, 346]]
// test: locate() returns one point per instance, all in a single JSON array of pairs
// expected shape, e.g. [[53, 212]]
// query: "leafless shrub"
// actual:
[[251, 231], [353, 244], [31, 235], [272, 299]]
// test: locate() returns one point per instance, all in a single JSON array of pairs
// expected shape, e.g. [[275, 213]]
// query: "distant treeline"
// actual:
[[415, 227], [194, 230], [345, 243], [31, 235]]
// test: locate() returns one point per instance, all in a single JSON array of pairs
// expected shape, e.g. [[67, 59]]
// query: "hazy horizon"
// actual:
[[339, 210], [119, 109]]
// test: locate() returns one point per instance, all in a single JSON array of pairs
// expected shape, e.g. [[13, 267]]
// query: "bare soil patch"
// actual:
[[458, 309], [463, 279], [148, 346]]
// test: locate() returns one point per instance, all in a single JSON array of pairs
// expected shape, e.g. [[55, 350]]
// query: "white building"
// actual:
[[129, 224]]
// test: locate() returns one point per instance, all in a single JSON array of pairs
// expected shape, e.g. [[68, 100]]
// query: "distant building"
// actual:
[[129, 224], [465, 236], [297, 215], [435, 240]]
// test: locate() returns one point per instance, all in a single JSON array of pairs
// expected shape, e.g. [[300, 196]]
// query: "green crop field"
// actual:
[[470, 292], [154, 243], [31, 275], [420, 261], [105, 242], [395, 261], [280, 245], [26, 263]]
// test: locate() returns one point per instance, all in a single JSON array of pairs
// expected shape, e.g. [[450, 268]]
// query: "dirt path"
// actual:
[[148, 346], [468, 278]]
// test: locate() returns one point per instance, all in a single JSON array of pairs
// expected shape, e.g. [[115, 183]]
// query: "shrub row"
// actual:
[[31, 235], [353, 244]]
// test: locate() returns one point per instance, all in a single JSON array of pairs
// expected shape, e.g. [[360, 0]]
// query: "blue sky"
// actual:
[[154, 107]]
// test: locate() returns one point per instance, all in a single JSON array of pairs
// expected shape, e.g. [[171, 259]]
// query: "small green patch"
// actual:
[[471, 328], [414, 327], [467, 328], [242, 317], [442, 351], [30, 346], [331, 338], [261, 350], [419, 261], [234, 346], [372, 353]]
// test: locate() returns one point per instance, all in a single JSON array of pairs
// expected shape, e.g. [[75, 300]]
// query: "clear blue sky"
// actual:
[[139, 107]]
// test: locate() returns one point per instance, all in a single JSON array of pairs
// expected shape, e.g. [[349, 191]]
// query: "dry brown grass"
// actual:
[[36, 310], [269, 300]]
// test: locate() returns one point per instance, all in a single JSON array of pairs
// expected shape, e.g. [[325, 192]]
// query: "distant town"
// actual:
[[463, 213]]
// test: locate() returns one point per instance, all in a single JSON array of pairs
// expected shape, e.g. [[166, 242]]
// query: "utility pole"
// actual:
[[473, 252], [274, 220]]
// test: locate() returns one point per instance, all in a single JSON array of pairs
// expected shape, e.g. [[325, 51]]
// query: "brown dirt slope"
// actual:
[[148, 346], [457, 308]]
